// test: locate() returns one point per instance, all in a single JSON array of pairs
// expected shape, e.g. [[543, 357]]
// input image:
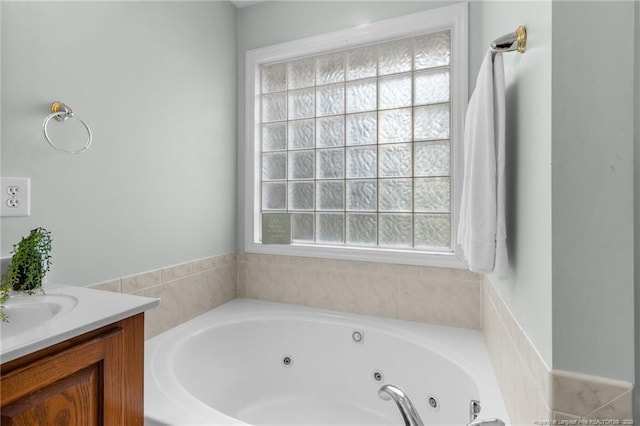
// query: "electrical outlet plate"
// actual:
[[15, 196]]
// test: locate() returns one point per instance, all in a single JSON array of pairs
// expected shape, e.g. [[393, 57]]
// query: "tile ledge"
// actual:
[[593, 379], [585, 395], [613, 401]]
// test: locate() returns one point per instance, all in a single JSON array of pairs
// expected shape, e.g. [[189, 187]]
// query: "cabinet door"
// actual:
[[73, 400], [93, 379], [64, 389]]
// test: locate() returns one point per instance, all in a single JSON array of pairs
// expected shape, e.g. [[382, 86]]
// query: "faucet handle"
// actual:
[[474, 409], [489, 422]]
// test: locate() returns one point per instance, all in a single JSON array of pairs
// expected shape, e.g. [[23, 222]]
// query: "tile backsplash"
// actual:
[[442, 296], [522, 374], [186, 290]]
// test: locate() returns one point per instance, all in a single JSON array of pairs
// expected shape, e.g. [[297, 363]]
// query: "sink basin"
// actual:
[[26, 313]]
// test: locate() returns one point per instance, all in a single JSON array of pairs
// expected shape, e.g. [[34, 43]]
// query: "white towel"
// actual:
[[482, 226]]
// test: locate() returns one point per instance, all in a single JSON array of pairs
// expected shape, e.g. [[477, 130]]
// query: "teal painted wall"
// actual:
[[593, 80], [156, 81], [526, 286]]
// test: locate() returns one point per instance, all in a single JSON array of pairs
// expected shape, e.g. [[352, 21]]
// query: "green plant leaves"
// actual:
[[30, 262]]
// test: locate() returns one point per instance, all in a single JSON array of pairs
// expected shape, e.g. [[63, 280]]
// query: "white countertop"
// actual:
[[94, 309]]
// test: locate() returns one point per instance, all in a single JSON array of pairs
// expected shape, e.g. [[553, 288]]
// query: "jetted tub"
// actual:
[[261, 363]]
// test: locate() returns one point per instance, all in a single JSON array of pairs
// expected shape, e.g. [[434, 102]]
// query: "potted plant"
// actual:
[[4, 295], [30, 262]]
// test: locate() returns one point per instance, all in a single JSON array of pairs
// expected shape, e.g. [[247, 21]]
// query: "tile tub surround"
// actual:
[[450, 297], [534, 392], [522, 374], [186, 290], [586, 397]]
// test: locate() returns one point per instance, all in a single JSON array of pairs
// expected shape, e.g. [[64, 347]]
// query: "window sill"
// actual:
[[376, 254]]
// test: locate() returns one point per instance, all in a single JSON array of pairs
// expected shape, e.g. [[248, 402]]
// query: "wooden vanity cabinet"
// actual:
[[93, 379]]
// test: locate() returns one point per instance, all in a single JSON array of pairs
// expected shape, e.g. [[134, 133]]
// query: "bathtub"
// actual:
[[250, 362]]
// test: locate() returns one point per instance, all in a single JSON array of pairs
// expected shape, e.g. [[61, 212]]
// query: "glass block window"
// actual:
[[356, 144]]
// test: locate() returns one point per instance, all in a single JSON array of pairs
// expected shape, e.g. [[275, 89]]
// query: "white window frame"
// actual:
[[453, 18]]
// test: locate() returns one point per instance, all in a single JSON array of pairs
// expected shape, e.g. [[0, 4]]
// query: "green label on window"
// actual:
[[276, 228]]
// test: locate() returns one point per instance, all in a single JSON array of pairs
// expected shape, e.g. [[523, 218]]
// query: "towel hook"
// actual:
[[62, 112], [509, 42]]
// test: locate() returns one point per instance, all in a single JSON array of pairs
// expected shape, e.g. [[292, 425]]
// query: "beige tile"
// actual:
[[287, 285], [369, 267], [450, 273], [539, 371], [533, 362], [510, 370], [250, 257], [460, 304], [303, 262], [241, 257], [113, 286], [375, 295], [209, 290], [265, 280], [404, 270], [353, 286], [288, 292], [337, 264], [194, 297], [324, 288], [165, 316], [267, 259], [557, 415], [225, 260], [224, 283], [137, 282], [519, 367], [620, 409], [262, 281], [231, 272], [580, 394], [495, 334], [310, 288], [418, 299], [242, 279], [543, 414], [526, 398], [176, 271], [328, 289], [188, 289], [203, 264]]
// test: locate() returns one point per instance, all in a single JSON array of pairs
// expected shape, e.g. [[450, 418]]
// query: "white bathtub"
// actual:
[[228, 367]]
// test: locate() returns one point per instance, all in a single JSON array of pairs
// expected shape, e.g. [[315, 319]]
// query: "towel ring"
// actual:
[[62, 112]]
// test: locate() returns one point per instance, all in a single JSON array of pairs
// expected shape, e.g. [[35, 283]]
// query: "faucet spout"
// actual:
[[407, 410]]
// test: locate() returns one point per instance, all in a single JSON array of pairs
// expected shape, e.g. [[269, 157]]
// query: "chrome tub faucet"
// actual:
[[407, 410]]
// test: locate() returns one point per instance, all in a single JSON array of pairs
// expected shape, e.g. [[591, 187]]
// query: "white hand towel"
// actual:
[[482, 226]]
